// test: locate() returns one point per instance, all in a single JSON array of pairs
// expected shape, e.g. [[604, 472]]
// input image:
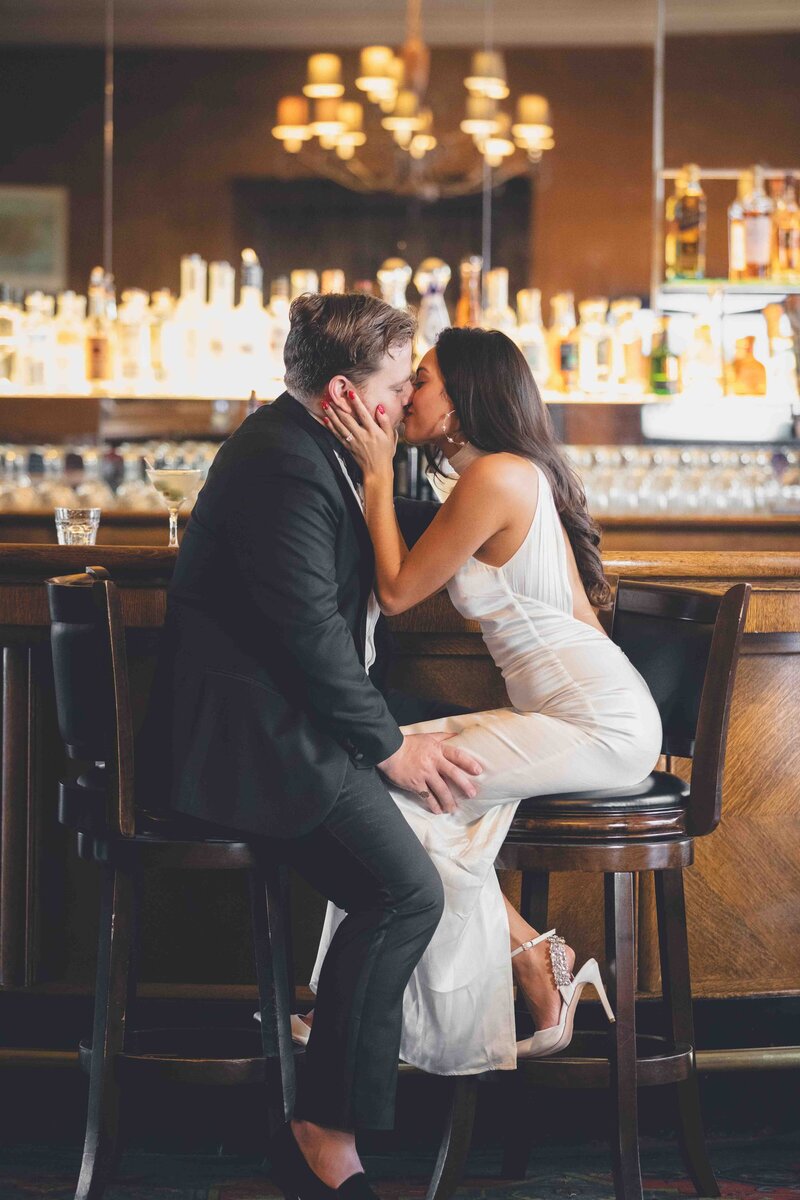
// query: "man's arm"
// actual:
[[282, 528]]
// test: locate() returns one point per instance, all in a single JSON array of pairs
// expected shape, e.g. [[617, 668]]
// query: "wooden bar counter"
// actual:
[[766, 531], [743, 891]]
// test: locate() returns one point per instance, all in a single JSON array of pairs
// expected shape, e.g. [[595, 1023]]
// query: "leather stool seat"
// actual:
[[654, 808]]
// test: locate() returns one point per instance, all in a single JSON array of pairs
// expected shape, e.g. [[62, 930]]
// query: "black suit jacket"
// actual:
[[261, 695]]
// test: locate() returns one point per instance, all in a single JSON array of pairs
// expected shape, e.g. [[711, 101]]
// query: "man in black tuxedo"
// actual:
[[279, 727]]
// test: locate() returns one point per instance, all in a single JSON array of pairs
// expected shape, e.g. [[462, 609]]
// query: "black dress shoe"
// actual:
[[356, 1188]]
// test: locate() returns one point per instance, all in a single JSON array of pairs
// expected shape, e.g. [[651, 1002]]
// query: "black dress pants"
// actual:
[[366, 859]]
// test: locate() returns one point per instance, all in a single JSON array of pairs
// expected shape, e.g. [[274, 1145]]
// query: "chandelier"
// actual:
[[388, 112]]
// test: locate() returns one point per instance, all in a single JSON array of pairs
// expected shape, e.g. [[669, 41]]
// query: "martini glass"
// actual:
[[175, 485]]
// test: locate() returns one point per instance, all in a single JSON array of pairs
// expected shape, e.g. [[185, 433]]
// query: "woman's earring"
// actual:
[[445, 434]]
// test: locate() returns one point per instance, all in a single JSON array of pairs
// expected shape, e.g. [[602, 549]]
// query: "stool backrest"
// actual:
[[685, 644], [90, 671]]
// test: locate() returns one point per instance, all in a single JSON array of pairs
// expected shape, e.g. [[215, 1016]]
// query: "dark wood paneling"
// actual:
[[191, 123]]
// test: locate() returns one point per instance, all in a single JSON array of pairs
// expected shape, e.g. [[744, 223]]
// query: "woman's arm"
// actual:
[[478, 507]]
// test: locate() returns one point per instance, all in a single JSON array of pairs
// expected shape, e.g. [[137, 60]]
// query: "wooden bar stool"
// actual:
[[93, 703], [685, 644], [94, 714]]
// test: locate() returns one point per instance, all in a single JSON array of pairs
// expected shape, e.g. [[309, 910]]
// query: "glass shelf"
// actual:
[[731, 287], [611, 397]]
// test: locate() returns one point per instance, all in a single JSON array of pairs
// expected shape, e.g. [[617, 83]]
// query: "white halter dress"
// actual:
[[581, 717]]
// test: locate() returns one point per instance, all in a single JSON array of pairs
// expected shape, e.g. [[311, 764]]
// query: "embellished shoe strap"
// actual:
[[534, 942], [558, 957]]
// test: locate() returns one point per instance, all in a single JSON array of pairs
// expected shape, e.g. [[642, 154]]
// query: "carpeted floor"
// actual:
[[768, 1169]]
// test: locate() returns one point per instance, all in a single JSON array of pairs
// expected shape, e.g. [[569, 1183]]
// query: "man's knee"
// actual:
[[425, 902]]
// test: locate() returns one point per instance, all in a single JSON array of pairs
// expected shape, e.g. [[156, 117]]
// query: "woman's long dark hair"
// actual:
[[499, 409]]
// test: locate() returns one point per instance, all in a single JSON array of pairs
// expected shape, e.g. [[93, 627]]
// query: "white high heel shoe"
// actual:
[[550, 1041]]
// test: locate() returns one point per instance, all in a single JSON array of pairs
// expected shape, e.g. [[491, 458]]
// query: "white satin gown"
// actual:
[[581, 718]]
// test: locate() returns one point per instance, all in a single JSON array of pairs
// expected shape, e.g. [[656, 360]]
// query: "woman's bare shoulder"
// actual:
[[502, 470]]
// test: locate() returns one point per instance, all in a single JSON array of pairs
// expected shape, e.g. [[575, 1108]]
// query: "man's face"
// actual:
[[389, 385]]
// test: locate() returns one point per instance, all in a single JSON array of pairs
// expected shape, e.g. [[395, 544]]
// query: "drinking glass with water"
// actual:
[[77, 526]]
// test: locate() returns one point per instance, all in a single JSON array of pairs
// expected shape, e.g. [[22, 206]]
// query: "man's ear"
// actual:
[[337, 390]]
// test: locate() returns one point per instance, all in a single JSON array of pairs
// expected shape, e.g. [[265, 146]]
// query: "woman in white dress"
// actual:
[[517, 551]]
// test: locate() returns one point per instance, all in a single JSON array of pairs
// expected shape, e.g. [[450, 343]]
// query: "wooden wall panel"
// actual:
[[191, 122]]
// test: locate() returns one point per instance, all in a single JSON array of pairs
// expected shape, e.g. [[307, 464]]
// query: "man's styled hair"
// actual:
[[339, 335]]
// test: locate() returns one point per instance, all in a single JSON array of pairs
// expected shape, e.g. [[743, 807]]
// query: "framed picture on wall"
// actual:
[[33, 236]]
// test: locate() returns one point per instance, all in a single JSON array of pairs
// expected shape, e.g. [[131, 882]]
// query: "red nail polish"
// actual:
[[325, 419], [324, 403], [351, 395], [381, 409]]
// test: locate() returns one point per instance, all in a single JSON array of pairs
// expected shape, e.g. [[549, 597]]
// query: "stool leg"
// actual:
[[456, 1138], [621, 960], [534, 898], [270, 942], [676, 988], [115, 946], [519, 1129]]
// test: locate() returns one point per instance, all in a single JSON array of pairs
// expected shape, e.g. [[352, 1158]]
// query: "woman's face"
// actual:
[[429, 414]]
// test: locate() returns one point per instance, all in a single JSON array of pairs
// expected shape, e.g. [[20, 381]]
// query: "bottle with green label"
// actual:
[[665, 375]]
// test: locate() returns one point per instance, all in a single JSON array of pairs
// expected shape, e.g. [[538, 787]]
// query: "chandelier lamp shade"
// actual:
[[396, 84], [488, 75], [293, 126], [324, 77]]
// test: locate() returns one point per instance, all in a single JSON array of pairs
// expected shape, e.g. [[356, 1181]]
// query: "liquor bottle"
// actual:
[[786, 234], [252, 331], [628, 364], [664, 365], [530, 334], [782, 364], [10, 322], [162, 307], [184, 334], [737, 258], [671, 227], [702, 372], [430, 279], [279, 323], [332, 282], [38, 346], [134, 363], [394, 276], [498, 313], [304, 281], [70, 354], [99, 332], [757, 228], [562, 340], [748, 375], [220, 345], [690, 228], [468, 309], [594, 345]]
